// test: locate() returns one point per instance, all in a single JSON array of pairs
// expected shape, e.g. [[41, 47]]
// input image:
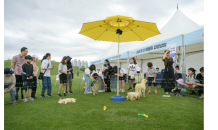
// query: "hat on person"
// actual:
[[138, 69], [8, 71], [35, 56], [180, 81]]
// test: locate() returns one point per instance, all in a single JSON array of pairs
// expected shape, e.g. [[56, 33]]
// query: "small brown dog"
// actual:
[[94, 88]]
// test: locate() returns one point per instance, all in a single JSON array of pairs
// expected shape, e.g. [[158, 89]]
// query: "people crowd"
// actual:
[[23, 76]]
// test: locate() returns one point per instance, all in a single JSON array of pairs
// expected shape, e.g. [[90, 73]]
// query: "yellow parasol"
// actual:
[[119, 29]]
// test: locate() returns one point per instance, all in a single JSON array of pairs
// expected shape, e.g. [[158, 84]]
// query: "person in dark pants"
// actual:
[[35, 70], [168, 82], [106, 76], [200, 83], [16, 64], [69, 74]]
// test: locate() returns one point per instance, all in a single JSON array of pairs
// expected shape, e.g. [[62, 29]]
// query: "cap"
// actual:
[[35, 56], [8, 71]]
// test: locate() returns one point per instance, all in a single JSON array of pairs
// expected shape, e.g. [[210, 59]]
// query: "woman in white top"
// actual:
[[46, 80], [62, 72], [122, 77], [106, 78], [191, 81], [87, 75], [131, 71]]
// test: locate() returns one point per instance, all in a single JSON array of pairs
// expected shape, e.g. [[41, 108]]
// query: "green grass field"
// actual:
[[165, 113]]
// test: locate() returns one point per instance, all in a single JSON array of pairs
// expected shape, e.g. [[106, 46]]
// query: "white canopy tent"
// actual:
[[179, 24]]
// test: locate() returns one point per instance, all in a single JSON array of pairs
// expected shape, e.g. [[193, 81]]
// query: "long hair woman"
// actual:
[[88, 76], [106, 77], [46, 80], [131, 71], [62, 72], [168, 82]]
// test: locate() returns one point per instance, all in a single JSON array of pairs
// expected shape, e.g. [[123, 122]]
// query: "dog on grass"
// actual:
[[132, 96], [65, 101], [140, 87], [94, 88]]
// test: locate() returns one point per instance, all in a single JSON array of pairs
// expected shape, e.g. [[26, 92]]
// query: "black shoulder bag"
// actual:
[[41, 75]]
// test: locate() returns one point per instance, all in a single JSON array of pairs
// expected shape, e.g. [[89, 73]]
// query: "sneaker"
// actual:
[[65, 94], [70, 92], [25, 100], [59, 95], [120, 90], [123, 90], [85, 92], [48, 95], [115, 90], [14, 103], [166, 92], [148, 92], [192, 93], [202, 96], [42, 96], [30, 99], [155, 92], [130, 89], [89, 92]]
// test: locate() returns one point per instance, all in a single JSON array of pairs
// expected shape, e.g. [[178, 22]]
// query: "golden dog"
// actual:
[[140, 87], [65, 101]]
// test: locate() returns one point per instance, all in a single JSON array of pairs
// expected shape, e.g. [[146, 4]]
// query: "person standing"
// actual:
[[10, 82], [131, 71], [27, 77], [113, 79], [106, 77], [16, 64], [122, 77], [69, 74], [62, 72], [46, 80], [35, 71], [151, 76], [168, 82]]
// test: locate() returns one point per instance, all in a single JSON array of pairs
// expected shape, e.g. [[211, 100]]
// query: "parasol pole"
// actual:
[[118, 65]]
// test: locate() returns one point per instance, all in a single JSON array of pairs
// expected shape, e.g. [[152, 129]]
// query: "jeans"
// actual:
[[28, 84], [88, 83], [12, 92], [46, 84], [113, 82]]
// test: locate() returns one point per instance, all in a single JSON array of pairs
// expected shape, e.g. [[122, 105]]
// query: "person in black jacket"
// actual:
[[69, 75], [27, 77]]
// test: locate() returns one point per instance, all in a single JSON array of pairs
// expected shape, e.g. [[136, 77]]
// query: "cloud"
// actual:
[[53, 25]]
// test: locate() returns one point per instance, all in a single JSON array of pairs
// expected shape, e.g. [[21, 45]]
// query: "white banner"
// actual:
[[172, 48]]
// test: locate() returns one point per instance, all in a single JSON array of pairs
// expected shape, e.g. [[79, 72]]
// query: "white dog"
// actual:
[[65, 101], [132, 96], [140, 87]]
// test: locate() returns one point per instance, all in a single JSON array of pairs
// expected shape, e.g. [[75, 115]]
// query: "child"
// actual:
[[27, 77], [180, 89], [151, 76], [191, 81], [122, 76], [131, 71], [113, 79], [100, 79], [62, 71], [87, 76], [138, 77]]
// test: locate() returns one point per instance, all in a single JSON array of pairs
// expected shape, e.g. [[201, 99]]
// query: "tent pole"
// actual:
[[183, 61], [127, 66]]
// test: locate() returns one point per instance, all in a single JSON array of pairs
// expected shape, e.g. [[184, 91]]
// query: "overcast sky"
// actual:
[[52, 26]]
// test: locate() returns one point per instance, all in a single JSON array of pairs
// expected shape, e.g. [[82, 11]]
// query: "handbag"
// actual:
[[41, 75]]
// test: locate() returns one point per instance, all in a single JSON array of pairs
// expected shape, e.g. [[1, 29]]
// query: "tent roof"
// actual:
[[178, 24]]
